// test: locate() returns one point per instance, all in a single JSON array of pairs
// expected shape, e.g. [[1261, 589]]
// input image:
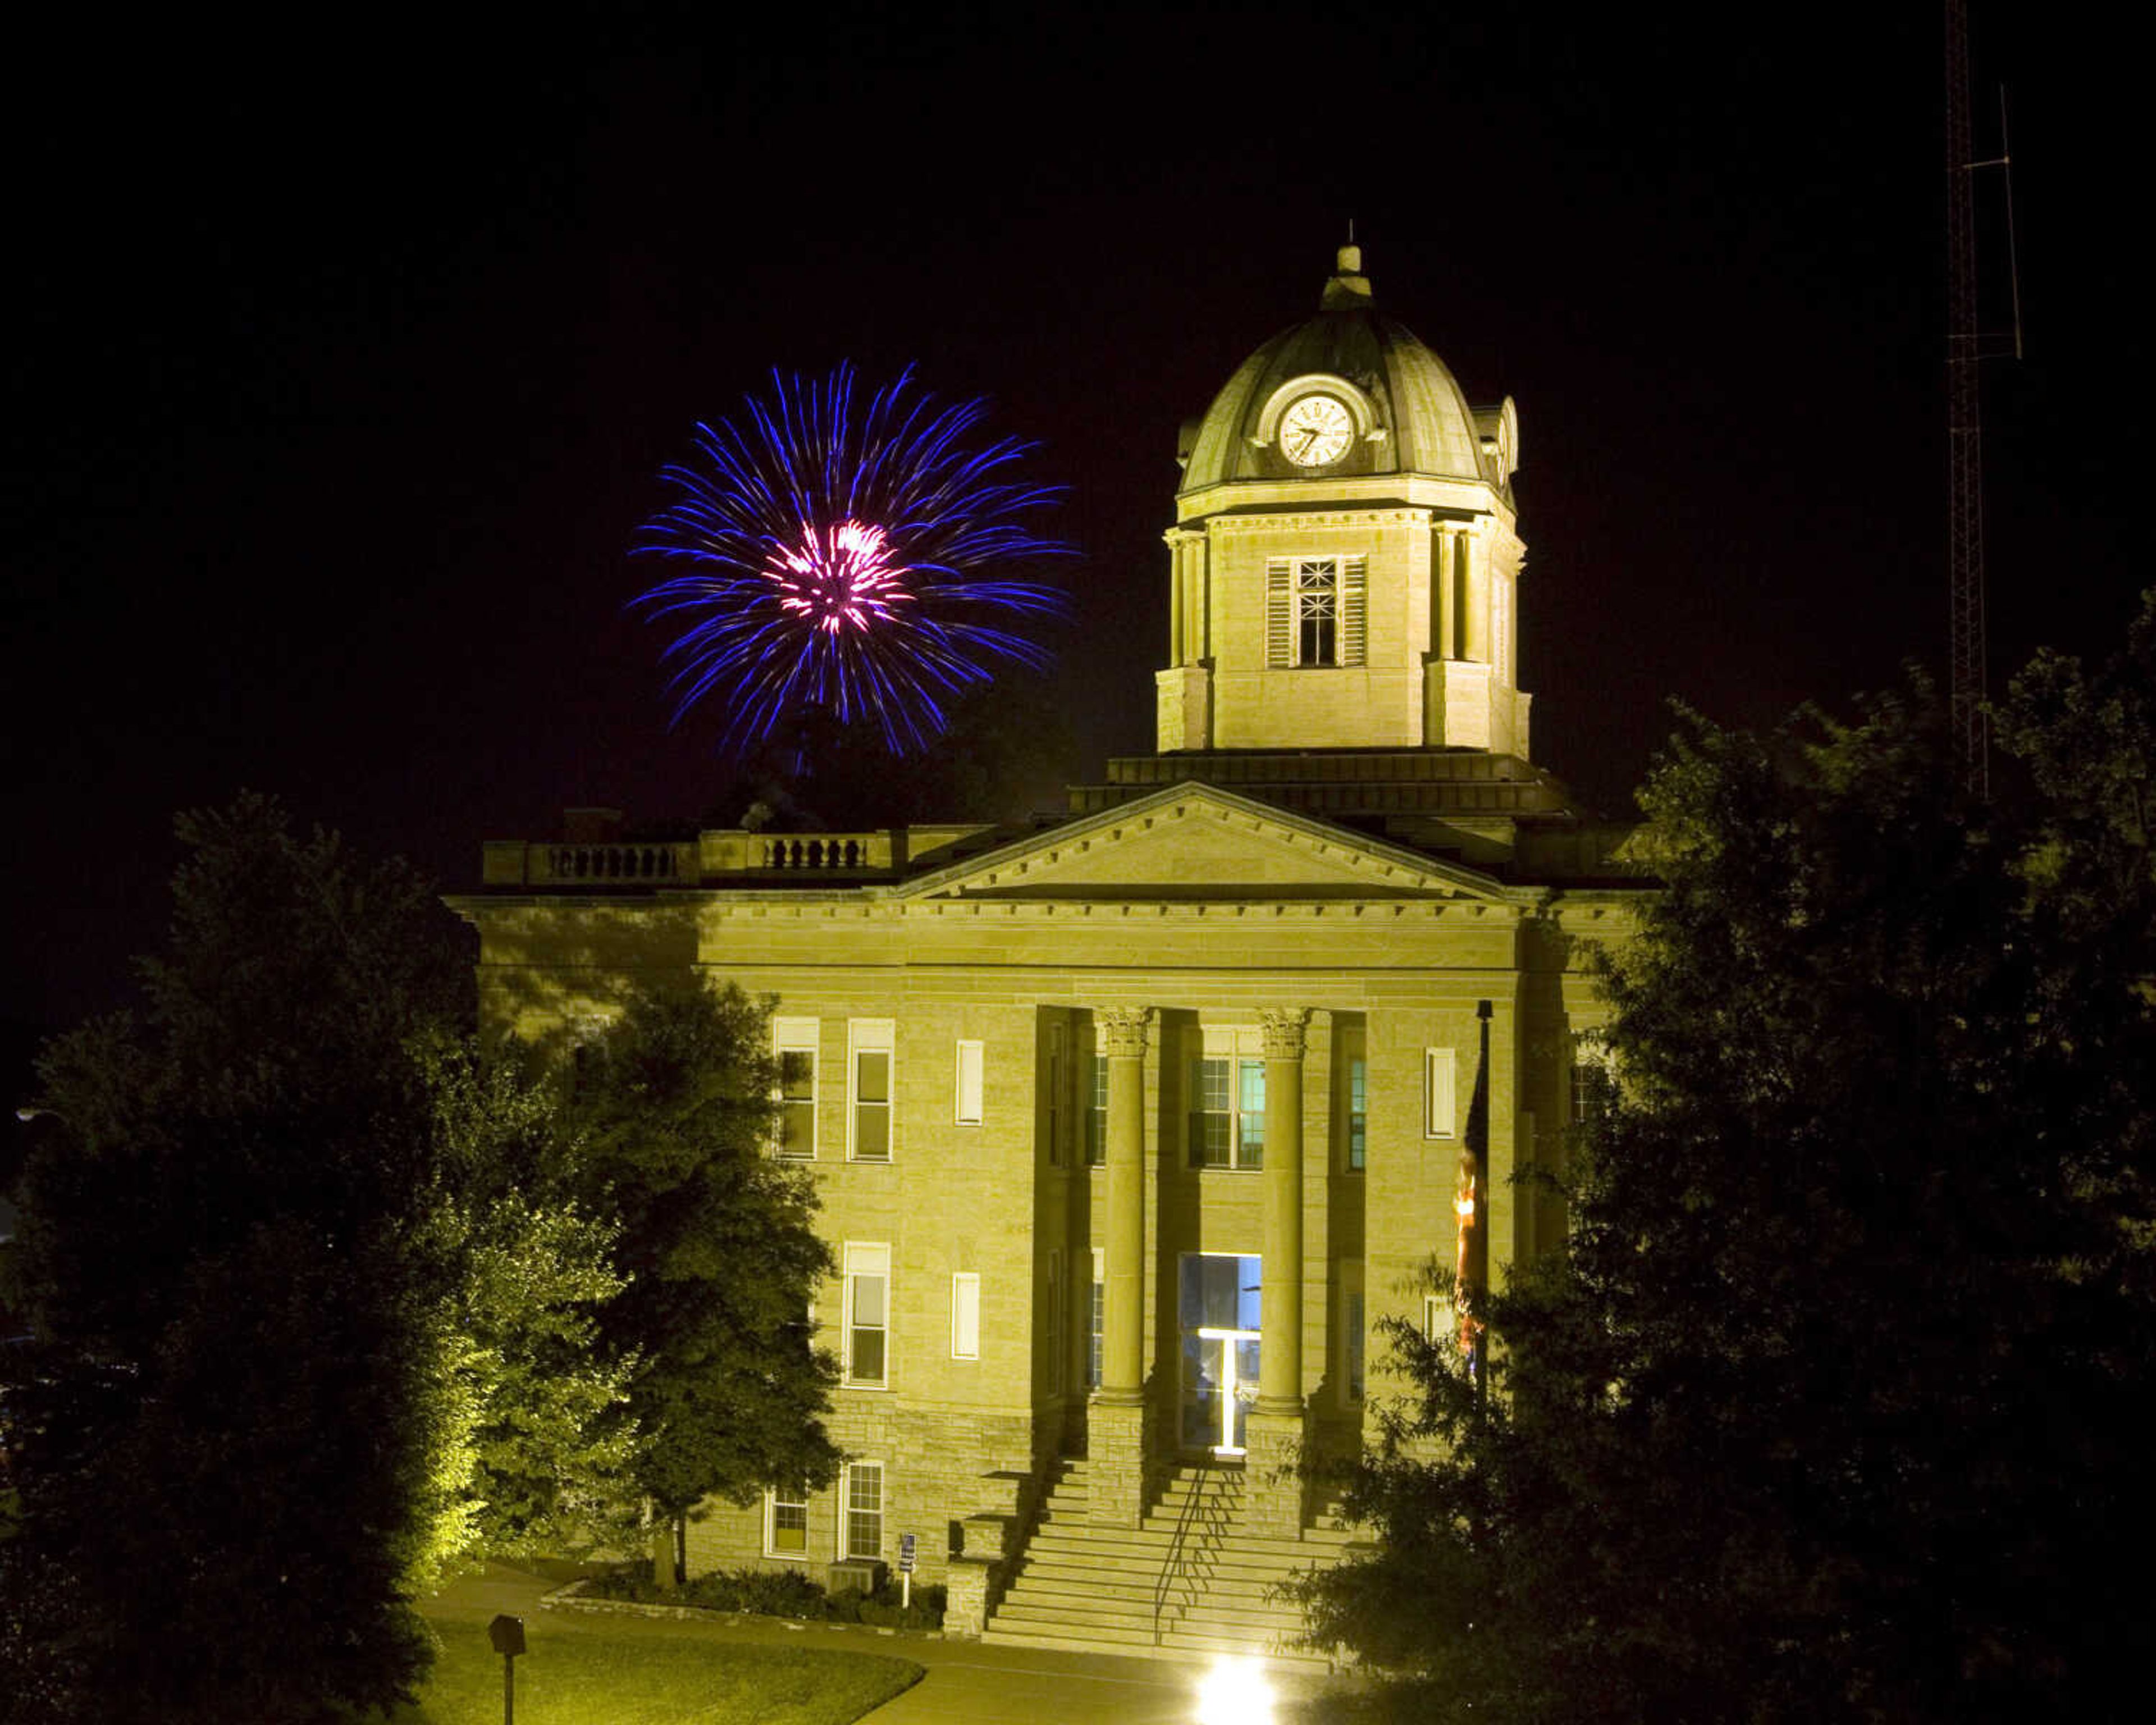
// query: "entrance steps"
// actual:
[[1185, 1583]]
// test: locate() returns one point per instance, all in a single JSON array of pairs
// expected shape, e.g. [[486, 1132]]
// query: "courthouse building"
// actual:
[[1131, 1129]]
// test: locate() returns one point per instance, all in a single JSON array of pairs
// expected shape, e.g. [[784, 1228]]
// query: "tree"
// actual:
[[543, 1461], [1828, 1409], [293, 1281], [674, 1107]]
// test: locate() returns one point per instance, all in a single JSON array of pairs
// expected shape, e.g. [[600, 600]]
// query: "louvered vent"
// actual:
[[1316, 611]]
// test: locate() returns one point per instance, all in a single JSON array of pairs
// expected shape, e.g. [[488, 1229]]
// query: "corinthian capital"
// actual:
[[1123, 1029], [1285, 1030]]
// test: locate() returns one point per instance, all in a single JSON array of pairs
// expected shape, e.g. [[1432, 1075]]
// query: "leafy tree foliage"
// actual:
[[673, 1104], [293, 1285], [1835, 1407], [543, 1461]]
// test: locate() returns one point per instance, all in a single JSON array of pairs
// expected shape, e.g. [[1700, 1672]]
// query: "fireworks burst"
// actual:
[[841, 557]]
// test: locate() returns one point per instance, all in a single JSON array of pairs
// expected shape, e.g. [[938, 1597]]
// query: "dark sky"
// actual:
[[341, 367]]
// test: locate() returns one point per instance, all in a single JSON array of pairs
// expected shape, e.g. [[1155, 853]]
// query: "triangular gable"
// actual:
[[1193, 841]]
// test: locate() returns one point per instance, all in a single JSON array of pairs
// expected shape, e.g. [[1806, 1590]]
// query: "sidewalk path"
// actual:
[[966, 1684]]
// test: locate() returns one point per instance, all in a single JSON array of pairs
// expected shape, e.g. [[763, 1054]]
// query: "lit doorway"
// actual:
[[1219, 1315]]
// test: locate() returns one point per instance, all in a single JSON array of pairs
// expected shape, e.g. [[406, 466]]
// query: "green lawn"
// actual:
[[623, 1672]]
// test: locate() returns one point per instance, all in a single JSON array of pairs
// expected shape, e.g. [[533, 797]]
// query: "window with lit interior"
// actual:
[[786, 1523]]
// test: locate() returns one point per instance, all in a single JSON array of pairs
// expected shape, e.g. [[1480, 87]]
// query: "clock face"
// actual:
[[1316, 430]]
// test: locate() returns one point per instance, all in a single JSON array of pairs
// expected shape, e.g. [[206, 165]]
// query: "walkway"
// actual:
[[966, 1684]]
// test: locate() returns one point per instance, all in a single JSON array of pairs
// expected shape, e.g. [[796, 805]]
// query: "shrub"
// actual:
[[779, 1593]]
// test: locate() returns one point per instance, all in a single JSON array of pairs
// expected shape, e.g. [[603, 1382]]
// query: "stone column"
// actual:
[[1475, 627], [1116, 1423], [1273, 1433], [1443, 594]]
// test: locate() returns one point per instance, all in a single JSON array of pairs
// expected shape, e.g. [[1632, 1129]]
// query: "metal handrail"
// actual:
[[1168, 1563], [1172, 1565]]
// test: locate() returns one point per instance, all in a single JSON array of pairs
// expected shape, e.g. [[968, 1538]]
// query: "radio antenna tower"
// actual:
[[1965, 349]]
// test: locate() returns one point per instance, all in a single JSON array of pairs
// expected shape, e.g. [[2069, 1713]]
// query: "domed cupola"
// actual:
[[1347, 565], [1350, 393]]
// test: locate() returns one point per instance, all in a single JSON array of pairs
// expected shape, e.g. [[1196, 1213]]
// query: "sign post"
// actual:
[[905, 1571], [507, 1635]]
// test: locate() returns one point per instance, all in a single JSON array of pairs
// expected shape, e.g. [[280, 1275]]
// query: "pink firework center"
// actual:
[[840, 577]]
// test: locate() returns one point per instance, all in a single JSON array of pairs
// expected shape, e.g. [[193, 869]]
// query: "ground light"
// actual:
[[1235, 1691]]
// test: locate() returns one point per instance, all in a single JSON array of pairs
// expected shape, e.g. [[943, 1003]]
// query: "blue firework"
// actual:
[[858, 559]]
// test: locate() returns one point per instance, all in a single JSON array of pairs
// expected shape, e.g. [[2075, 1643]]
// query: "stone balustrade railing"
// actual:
[[517, 862], [654, 864]]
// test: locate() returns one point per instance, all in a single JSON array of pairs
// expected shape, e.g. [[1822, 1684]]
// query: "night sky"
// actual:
[[341, 367]]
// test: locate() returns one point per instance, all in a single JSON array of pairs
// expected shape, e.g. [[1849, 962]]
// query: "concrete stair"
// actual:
[[1184, 1583]]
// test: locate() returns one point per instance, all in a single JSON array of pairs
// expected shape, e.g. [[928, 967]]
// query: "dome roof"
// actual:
[[1411, 415]]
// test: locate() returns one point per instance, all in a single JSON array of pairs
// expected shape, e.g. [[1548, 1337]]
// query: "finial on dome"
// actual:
[[1349, 286]]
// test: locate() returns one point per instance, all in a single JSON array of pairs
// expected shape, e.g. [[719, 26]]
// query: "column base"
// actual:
[[1116, 1462], [1273, 1486]]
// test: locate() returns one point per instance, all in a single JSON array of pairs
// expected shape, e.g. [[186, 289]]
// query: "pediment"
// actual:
[[1195, 842]]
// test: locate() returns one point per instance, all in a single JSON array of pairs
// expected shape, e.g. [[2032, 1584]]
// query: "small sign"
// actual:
[[905, 1554], [507, 1635]]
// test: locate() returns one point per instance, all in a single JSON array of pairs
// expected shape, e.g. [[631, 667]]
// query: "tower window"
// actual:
[[1315, 611]]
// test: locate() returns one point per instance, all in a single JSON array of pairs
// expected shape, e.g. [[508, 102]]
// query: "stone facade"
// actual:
[[1131, 1133]]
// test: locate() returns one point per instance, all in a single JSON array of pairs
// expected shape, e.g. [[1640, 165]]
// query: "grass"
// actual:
[[623, 1671]]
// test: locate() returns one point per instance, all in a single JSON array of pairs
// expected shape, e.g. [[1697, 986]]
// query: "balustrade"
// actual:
[[611, 862], [833, 851]]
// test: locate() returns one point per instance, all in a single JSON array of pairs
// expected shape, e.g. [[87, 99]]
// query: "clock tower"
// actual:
[[1344, 603], [1345, 559]]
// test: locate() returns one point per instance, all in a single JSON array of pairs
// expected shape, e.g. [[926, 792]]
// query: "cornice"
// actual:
[[1507, 913], [1327, 518]]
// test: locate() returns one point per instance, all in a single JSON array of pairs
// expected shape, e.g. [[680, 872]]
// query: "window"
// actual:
[[869, 1045], [1358, 1114], [1437, 1067], [1351, 1322], [1098, 1325], [968, 1108], [1590, 1089], [965, 1315], [1097, 1115], [1315, 612], [1057, 1042], [861, 1534], [1227, 1102], [1055, 1347], [868, 1315], [786, 1521], [794, 1042]]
